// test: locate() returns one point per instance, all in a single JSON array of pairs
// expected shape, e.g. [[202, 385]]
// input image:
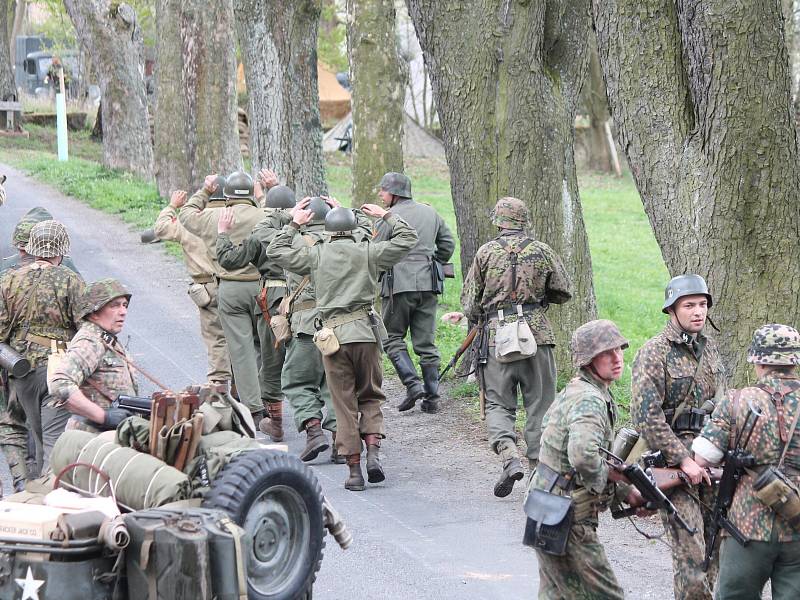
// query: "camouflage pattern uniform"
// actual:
[[663, 374], [409, 291], [95, 360], [37, 307], [581, 420], [20, 236], [201, 270], [774, 548], [541, 280], [238, 290]]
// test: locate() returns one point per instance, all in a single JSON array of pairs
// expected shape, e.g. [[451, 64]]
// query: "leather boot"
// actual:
[[374, 468], [273, 424], [336, 458], [430, 379], [408, 375], [355, 481], [316, 441], [512, 471]]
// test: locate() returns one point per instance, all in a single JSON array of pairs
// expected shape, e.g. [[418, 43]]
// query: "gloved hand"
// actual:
[[115, 416]]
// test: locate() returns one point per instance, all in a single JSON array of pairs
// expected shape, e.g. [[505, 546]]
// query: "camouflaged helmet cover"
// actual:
[[396, 184], [48, 239], [593, 338], [510, 213], [685, 285], [775, 344], [22, 231], [99, 293], [280, 196]]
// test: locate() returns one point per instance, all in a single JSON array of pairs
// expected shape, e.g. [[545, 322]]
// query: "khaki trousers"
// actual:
[[355, 376], [219, 362]]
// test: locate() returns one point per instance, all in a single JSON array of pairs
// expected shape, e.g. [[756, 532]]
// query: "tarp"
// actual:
[[417, 143]]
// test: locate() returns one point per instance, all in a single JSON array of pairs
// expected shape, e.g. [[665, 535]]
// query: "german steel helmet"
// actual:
[[340, 220], [238, 185], [775, 345], [592, 338], [48, 239], [510, 213], [319, 208], [396, 184], [22, 231], [219, 192], [280, 196], [685, 285], [99, 293]]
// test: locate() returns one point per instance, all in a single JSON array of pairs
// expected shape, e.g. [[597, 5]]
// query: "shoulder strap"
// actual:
[[303, 283], [736, 397], [512, 254]]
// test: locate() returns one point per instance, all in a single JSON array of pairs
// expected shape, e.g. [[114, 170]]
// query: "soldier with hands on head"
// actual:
[[514, 278], [581, 420], [39, 310], [677, 375], [773, 550], [344, 271], [95, 369], [409, 291], [203, 289]]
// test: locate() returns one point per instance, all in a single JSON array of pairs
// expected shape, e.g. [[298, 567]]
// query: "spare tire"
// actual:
[[277, 499]]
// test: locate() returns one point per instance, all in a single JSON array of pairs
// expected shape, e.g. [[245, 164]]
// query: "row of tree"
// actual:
[[699, 91]]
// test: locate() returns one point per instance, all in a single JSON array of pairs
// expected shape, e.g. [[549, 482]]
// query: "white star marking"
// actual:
[[30, 586]]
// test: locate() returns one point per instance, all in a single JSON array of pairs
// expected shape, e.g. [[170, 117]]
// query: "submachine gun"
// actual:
[[645, 483], [737, 459]]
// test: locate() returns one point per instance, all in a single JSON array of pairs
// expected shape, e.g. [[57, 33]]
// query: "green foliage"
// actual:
[[331, 39]]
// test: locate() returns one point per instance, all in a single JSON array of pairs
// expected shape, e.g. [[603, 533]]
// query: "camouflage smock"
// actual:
[[662, 376], [39, 299], [97, 356], [541, 277], [753, 518]]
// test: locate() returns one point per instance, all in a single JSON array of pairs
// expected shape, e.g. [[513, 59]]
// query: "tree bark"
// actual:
[[8, 88], [20, 10], [506, 77], [596, 103], [111, 35], [700, 94], [196, 113], [278, 42], [377, 94]]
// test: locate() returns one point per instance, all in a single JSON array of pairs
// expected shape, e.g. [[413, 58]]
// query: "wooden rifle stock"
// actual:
[[463, 348]]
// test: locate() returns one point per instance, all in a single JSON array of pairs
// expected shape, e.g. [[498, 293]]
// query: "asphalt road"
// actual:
[[433, 530]]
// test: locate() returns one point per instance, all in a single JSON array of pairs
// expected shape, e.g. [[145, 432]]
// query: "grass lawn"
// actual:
[[629, 273]]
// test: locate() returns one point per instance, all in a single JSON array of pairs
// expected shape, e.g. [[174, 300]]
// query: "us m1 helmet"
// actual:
[[340, 220], [48, 239], [238, 185], [280, 196], [320, 208], [219, 192]]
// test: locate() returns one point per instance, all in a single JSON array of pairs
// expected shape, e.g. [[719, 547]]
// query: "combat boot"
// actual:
[[374, 468], [273, 424], [430, 379], [316, 441], [512, 471], [408, 375], [355, 481], [336, 458]]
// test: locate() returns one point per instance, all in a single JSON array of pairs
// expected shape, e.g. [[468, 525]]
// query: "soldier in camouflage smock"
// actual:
[[94, 370], [581, 420], [676, 377], [20, 236], [774, 548], [491, 285], [38, 308]]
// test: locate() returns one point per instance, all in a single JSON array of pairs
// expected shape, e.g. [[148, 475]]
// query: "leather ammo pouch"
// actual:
[[513, 341], [774, 489], [549, 521], [325, 340], [448, 270], [279, 324], [690, 419]]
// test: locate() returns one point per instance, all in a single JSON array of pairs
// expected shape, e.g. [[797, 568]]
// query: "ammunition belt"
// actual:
[[356, 315], [692, 419], [45, 342], [305, 305], [511, 309], [553, 478], [203, 278]]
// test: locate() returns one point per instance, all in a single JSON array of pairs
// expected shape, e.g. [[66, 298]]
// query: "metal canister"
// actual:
[[13, 362], [624, 442]]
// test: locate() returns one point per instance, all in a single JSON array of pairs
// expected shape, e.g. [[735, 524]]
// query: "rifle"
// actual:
[[480, 363], [644, 482], [461, 349], [136, 405], [737, 459], [668, 478]]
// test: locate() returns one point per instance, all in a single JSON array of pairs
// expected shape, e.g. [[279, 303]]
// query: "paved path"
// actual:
[[432, 530]]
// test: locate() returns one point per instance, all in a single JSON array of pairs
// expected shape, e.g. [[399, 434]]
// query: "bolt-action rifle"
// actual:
[[460, 352], [645, 484]]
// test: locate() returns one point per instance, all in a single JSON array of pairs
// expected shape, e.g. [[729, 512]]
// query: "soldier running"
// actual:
[[409, 291]]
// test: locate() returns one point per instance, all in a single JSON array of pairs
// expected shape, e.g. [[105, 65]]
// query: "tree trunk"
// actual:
[[594, 98], [506, 78], [111, 35], [97, 129], [377, 95], [20, 10], [196, 113], [712, 148], [278, 42], [8, 88]]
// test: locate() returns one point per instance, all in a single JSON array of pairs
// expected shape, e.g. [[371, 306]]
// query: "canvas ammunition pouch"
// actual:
[[280, 324], [513, 340], [325, 340], [200, 294], [774, 489], [549, 516]]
